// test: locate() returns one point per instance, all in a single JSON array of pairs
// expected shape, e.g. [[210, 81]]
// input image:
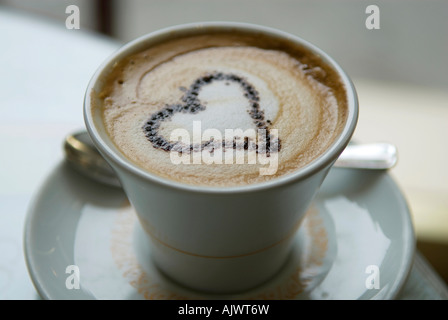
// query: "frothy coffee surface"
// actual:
[[213, 85]]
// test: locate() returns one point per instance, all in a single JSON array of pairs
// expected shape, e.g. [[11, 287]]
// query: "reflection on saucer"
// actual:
[[355, 230]]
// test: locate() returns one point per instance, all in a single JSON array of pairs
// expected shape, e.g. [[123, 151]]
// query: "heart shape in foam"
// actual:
[[191, 104]]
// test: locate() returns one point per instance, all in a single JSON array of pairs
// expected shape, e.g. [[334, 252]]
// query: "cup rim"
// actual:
[[321, 162]]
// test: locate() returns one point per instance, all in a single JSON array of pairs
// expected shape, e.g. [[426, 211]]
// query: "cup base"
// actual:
[[218, 275]]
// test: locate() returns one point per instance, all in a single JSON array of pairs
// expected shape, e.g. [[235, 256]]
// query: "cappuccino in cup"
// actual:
[[222, 109]]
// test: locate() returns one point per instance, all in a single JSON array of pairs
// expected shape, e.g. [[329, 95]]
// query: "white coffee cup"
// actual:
[[218, 240]]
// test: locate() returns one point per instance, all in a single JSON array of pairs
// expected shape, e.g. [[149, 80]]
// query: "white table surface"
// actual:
[[45, 71]]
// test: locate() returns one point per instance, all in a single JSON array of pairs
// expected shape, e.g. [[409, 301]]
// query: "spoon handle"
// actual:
[[368, 156]]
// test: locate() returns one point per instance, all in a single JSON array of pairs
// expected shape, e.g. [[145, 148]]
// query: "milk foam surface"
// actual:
[[306, 112]]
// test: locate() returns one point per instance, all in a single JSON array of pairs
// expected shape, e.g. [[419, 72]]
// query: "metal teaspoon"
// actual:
[[83, 156]]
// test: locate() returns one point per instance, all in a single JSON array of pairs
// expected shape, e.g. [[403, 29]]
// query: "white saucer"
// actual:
[[357, 242]]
